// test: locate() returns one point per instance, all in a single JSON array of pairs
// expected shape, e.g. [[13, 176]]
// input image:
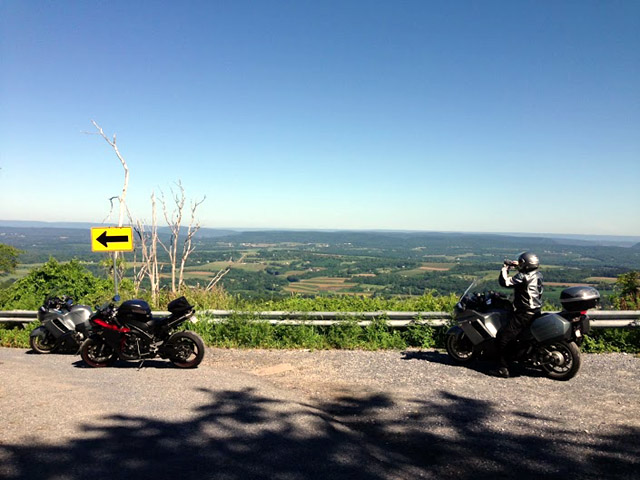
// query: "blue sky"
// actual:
[[419, 115]]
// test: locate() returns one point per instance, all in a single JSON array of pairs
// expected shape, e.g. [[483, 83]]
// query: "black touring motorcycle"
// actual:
[[130, 332], [551, 342]]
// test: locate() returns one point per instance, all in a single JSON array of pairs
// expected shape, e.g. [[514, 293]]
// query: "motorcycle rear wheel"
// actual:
[[459, 348], [41, 341], [188, 349], [97, 354], [562, 362]]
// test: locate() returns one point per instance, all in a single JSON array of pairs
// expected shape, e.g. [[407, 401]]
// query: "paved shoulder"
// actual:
[[311, 415]]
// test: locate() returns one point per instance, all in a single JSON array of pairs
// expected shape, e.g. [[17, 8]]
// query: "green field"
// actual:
[[268, 264]]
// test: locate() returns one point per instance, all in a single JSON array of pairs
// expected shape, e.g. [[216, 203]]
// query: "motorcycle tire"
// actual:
[[459, 348], [97, 354], [187, 349], [41, 341], [562, 362]]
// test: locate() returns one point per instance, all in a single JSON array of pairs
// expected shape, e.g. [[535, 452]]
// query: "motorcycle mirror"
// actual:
[[116, 298]]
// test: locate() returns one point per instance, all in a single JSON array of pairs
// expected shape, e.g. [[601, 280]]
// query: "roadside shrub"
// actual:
[[16, 337], [344, 335], [299, 336], [214, 299], [55, 278], [378, 335], [612, 340], [420, 336]]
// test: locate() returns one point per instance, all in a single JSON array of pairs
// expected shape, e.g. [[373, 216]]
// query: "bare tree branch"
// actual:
[[148, 242], [123, 195], [216, 278], [188, 247]]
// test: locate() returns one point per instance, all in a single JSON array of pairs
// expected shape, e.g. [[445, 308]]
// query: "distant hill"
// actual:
[[364, 237], [68, 227], [34, 224]]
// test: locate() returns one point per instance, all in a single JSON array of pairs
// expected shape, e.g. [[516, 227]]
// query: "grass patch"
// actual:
[[246, 331], [16, 337], [249, 332]]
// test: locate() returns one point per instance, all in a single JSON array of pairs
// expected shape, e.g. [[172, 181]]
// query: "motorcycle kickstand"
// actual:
[[141, 359]]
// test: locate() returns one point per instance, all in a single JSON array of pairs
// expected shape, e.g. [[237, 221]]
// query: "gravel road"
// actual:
[[315, 414]]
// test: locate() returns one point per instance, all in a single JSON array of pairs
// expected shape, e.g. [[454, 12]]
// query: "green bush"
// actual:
[[612, 340], [16, 337], [420, 336], [429, 302], [299, 336], [55, 278]]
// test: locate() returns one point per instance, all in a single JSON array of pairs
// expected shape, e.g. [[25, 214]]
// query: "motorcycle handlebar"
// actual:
[[108, 309]]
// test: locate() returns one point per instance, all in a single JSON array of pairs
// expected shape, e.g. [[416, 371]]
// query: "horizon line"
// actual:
[[84, 224]]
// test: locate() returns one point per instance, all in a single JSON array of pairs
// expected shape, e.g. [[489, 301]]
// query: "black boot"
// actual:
[[502, 372]]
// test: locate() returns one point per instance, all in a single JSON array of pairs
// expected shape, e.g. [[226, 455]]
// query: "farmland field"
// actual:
[[268, 264], [319, 285]]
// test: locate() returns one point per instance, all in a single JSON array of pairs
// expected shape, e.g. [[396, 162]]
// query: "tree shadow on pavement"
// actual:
[[244, 435]]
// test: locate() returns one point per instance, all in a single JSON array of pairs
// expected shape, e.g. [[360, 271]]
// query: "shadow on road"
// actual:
[[484, 366], [242, 435], [132, 364]]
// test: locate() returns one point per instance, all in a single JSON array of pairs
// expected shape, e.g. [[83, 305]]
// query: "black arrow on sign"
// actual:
[[104, 239]]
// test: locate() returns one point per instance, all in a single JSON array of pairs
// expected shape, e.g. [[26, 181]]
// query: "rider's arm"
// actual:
[[503, 278], [509, 282]]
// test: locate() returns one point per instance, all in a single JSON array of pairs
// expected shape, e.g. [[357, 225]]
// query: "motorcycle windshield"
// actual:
[[473, 284]]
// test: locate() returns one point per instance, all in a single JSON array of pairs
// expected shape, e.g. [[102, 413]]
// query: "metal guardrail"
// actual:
[[599, 318]]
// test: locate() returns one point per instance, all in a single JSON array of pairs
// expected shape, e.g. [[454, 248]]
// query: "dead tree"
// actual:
[[187, 246], [148, 242], [174, 222], [123, 196], [216, 278]]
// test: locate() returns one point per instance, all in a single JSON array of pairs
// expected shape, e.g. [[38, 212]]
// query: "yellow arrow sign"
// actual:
[[111, 239]]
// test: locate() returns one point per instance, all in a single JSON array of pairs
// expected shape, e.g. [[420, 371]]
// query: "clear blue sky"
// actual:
[[520, 116]]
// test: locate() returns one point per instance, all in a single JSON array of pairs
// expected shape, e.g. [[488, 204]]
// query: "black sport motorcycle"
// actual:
[[551, 342], [64, 326], [130, 332]]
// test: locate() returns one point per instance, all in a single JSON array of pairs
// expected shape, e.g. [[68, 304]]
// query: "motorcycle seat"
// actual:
[[160, 320]]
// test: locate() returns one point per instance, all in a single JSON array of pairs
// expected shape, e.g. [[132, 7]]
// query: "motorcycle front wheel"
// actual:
[[97, 354], [561, 361], [187, 349], [41, 340], [459, 347]]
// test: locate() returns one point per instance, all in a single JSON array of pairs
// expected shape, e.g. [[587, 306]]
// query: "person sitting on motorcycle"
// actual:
[[527, 302]]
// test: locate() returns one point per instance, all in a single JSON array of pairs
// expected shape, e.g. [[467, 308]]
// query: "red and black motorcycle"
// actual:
[[131, 332]]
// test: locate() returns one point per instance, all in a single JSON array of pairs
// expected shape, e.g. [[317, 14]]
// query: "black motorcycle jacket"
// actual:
[[527, 289]]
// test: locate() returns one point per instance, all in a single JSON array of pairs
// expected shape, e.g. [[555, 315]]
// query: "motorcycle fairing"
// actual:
[[479, 327]]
